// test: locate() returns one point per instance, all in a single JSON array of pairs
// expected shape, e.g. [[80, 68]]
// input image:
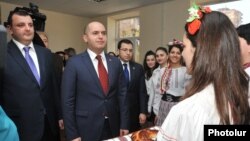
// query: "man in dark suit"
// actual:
[[30, 93], [93, 90], [136, 91]]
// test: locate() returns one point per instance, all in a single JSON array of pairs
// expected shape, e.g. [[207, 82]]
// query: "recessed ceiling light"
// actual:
[[98, 1]]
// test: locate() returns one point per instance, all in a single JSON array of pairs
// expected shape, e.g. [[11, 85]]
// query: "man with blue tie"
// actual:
[[30, 94], [94, 100], [136, 88]]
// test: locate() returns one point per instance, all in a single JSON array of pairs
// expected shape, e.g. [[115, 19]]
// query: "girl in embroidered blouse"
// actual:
[[218, 90], [155, 93], [176, 79]]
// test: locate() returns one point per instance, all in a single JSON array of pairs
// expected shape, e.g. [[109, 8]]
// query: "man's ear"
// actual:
[[84, 37], [118, 52], [9, 28]]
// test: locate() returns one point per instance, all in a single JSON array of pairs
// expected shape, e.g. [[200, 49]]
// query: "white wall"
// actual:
[[160, 23], [63, 30]]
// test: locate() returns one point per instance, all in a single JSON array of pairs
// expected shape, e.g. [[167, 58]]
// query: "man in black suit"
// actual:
[[94, 100], [136, 88], [30, 94]]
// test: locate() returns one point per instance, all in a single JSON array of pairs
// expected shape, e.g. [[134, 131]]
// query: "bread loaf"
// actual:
[[144, 135]]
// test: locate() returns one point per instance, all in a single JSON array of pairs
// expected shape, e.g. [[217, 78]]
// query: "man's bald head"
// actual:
[[86, 28]]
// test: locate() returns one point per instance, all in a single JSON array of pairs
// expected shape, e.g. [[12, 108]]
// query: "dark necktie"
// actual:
[[126, 73], [31, 64], [103, 75]]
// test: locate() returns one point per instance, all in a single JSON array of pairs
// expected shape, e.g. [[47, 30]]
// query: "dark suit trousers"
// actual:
[[47, 133], [106, 131]]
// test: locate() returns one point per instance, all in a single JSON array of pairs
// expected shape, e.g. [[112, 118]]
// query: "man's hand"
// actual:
[[142, 118], [61, 124], [123, 132], [77, 139]]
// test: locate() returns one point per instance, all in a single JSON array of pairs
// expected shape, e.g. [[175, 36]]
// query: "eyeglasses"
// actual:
[[125, 50]]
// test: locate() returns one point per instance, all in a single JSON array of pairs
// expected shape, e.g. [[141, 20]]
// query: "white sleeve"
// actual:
[[187, 79], [183, 125], [151, 94]]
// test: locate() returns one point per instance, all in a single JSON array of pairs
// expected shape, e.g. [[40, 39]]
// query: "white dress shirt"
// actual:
[[128, 66], [32, 53], [95, 61]]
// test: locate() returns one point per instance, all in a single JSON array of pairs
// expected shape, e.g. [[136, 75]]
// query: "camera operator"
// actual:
[[30, 94]]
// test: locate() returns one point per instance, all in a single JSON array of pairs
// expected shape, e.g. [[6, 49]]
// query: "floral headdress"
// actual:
[[195, 14], [175, 42]]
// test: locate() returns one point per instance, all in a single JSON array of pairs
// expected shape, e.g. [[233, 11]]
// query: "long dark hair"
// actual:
[[217, 61], [149, 71]]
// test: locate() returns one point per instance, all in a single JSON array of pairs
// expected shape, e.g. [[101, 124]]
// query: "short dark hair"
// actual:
[[60, 52], [111, 53], [70, 51], [126, 41], [16, 11], [244, 32]]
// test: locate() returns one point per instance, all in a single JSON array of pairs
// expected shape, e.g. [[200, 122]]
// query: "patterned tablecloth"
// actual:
[[128, 137]]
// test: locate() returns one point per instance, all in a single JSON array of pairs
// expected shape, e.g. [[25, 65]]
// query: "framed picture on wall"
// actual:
[[237, 11]]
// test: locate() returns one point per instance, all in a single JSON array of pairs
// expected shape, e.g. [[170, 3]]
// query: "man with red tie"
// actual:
[[93, 90]]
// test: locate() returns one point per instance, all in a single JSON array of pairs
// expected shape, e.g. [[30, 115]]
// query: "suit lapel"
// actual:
[[110, 70], [132, 73], [89, 65], [41, 61], [19, 58]]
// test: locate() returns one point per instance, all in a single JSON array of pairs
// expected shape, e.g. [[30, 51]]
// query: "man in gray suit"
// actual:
[[94, 102]]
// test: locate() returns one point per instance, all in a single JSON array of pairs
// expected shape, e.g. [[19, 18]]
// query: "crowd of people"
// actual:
[[97, 96]]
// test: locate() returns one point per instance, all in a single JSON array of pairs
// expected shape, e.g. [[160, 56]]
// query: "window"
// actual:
[[129, 28]]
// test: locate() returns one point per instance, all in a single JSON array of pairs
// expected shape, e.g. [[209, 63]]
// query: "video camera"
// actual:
[[37, 17]]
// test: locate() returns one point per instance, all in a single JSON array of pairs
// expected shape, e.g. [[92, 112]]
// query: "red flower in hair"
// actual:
[[194, 26], [200, 14], [196, 13], [207, 9]]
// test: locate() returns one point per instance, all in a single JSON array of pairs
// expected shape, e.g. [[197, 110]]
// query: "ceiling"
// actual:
[[85, 8]]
